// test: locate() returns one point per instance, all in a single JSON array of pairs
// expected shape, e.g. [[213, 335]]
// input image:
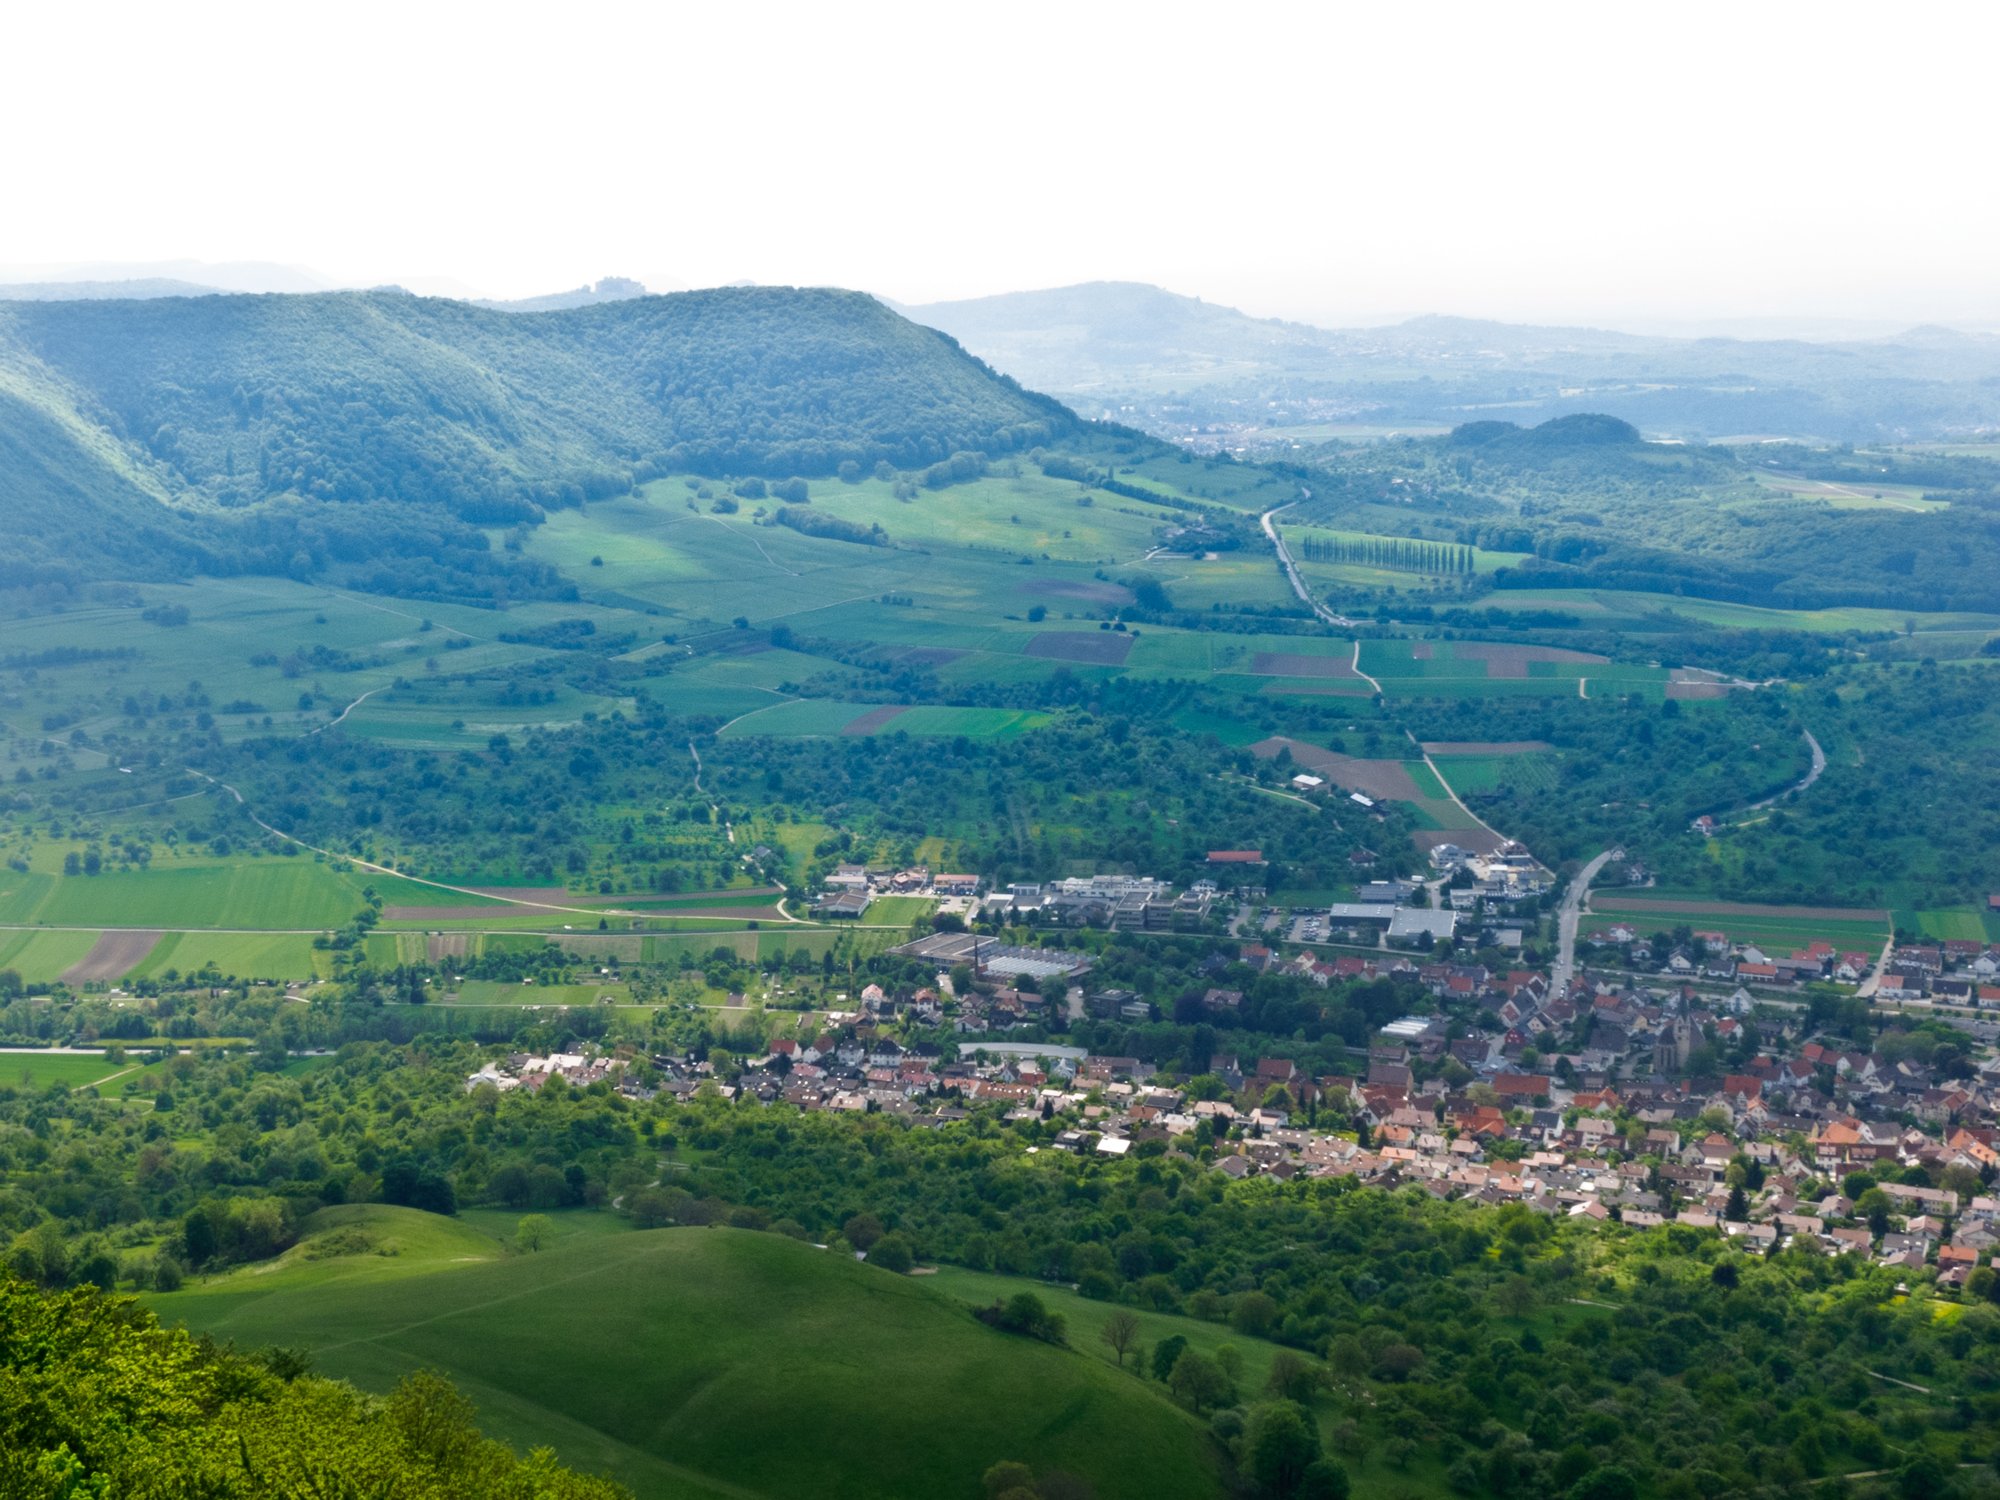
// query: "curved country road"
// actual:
[[1818, 765], [1567, 918], [1291, 568]]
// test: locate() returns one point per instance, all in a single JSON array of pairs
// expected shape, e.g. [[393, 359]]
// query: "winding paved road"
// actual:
[[1566, 923], [1291, 568], [1818, 765]]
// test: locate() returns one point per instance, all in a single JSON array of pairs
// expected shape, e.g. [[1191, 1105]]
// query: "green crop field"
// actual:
[[1966, 924], [44, 957], [683, 1362], [245, 955], [272, 892]]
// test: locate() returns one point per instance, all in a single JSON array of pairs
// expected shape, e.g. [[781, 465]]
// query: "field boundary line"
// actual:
[[438, 885]]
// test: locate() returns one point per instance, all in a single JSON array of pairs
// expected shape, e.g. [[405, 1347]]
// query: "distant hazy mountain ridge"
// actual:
[[1182, 364]]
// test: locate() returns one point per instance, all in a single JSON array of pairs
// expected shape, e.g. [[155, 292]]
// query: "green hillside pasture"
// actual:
[[230, 621], [701, 570], [350, 1244], [271, 892], [1087, 1318], [243, 955], [1006, 515], [1239, 486], [683, 1362], [44, 957]]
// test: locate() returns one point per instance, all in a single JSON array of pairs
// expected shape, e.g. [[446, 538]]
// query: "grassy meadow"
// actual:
[[684, 1361]]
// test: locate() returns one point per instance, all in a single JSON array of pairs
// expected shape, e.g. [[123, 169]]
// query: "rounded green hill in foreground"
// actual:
[[699, 1362]]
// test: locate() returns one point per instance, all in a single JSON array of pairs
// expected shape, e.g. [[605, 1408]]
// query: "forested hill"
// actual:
[[365, 395], [211, 405]]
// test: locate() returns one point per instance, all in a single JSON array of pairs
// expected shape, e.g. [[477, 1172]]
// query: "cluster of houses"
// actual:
[[1783, 1152], [1715, 956], [1955, 973]]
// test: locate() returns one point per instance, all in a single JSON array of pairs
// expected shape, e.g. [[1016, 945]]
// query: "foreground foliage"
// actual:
[[97, 1400]]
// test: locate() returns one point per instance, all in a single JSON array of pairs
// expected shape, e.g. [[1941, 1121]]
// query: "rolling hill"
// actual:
[[697, 1362], [221, 407]]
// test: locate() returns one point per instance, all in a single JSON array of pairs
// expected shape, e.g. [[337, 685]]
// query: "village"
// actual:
[[1616, 1100]]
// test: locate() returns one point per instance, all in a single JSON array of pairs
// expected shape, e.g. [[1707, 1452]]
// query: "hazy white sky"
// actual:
[[1330, 162]]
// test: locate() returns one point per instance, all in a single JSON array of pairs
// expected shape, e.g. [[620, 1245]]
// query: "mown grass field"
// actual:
[[688, 1362], [37, 1070]]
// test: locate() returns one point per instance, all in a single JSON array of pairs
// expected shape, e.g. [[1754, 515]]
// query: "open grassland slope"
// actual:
[[697, 1362]]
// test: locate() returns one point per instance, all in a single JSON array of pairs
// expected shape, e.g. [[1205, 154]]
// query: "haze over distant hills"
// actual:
[[142, 278], [1180, 366]]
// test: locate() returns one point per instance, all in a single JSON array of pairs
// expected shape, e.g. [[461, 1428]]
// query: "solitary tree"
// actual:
[[1121, 1332], [862, 1231]]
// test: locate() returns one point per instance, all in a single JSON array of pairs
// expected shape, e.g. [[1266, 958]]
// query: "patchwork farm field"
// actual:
[[1417, 668], [44, 957]]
